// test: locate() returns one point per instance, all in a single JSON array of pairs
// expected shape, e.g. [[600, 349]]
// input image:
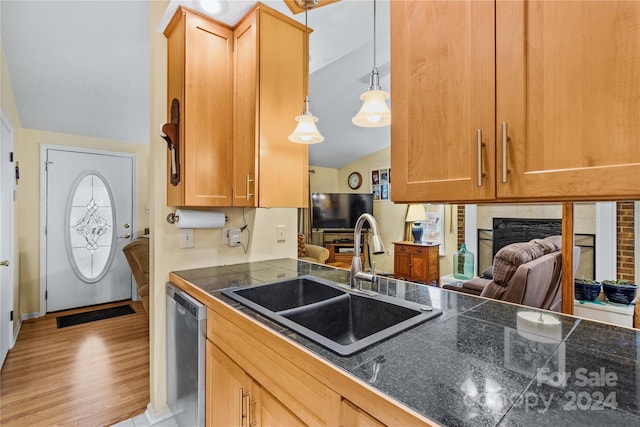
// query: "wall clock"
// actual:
[[355, 180]]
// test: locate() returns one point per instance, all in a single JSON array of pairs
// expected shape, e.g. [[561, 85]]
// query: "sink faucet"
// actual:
[[356, 273]]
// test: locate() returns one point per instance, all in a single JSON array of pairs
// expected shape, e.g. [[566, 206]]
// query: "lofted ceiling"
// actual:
[[82, 67]]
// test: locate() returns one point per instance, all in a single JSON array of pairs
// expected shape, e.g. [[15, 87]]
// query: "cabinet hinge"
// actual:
[[46, 294], [11, 316], [11, 157]]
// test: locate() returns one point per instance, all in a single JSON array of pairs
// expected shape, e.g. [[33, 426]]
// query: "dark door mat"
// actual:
[[91, 316]]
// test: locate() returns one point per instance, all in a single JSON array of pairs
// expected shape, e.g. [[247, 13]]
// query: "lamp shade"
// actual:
[[416, 213], [374, 111], [306, 131]]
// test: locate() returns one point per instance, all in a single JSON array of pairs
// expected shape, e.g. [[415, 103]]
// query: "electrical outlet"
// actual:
[[186, 238], [234, 236], [280, 233]]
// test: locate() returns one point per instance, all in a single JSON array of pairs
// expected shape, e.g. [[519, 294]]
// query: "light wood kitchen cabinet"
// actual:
[[239, 91], [515, 100], [270, 75], [287, 385], [352, 416], [235, 399], [200, 78]]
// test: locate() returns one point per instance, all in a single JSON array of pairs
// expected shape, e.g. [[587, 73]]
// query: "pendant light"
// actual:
[[306, 131], [374, 111]]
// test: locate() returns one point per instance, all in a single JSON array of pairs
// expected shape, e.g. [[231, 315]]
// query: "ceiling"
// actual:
[[82, 67]]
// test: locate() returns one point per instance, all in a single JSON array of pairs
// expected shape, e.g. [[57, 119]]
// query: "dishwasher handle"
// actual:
[[186, 303]]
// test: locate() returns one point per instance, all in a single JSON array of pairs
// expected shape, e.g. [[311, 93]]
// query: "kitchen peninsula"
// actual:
[[482, 362]]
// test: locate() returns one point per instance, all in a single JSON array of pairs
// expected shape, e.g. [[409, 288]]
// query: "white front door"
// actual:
[[7, 180], [89, 212]]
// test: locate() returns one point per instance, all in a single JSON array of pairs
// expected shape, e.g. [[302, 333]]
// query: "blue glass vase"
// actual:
[[417, 232]]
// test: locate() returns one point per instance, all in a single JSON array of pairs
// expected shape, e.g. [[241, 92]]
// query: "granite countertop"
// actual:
[[472, 366]]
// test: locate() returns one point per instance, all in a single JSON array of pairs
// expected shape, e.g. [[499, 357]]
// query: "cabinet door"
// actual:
[[568, 87], [271, 412], [420, 266], [246, 136], [352, 416], [443, 92], [270, 76], [228, 388], [402, 263], [200, 77]]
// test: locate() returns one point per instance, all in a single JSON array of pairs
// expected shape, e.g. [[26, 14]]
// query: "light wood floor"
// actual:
[[94, 374]]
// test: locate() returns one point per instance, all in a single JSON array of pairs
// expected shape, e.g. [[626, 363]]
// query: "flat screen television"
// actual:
[[339, 210]]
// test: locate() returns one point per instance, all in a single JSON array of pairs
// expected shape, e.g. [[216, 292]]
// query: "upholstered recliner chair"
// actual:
[[527, 273], [137, 254], [313, 253]]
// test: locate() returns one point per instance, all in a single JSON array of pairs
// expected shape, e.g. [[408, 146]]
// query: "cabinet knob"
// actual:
[[402, 248], [419, 251]]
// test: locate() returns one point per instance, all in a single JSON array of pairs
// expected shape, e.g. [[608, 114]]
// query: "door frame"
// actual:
[[13, 324], [43, 206]]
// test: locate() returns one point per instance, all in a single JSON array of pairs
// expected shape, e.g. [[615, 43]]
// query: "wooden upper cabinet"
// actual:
[[270, 77], [239, 90], [554, 86], [568, 87], [443, 92], [200, 77]]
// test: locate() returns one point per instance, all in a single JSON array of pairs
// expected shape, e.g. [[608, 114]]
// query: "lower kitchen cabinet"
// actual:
[[235, 399], [352, 416], [257, 378]]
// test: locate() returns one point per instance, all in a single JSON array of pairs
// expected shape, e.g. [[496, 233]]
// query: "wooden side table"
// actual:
[[416, 262]]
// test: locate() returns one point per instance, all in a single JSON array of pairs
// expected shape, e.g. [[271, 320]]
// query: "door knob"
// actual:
[[4, 263], [126, 226]]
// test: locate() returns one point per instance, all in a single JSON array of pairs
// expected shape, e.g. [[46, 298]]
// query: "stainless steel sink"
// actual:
[[341, 320]]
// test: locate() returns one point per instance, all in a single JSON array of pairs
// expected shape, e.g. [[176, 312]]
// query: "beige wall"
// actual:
[[166, 256]]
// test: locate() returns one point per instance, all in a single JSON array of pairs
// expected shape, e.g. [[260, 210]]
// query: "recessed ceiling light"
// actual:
[[212, 7]]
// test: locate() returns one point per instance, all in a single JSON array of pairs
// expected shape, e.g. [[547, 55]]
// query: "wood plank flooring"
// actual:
[[94, 374]]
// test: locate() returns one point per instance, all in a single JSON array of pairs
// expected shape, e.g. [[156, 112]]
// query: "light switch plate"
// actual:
[[280, 235], [186, 238]]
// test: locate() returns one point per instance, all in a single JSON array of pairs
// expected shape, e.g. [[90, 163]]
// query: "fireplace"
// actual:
[[513, 230]]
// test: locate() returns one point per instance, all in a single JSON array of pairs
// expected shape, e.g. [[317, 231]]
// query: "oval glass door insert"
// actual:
[[90, 236]]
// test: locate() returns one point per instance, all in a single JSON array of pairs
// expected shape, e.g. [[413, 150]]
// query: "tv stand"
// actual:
[[341, 246]]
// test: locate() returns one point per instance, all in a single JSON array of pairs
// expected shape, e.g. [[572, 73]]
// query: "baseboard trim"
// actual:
[[154, 417], [28, 316], [16, 331]]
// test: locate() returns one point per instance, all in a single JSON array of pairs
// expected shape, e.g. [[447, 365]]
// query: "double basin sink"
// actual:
[[343, 321]]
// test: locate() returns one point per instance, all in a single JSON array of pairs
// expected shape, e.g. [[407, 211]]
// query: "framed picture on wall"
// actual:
[[381, 183]]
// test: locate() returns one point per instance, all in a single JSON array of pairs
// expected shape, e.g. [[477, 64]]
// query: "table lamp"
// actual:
[[416, 214]]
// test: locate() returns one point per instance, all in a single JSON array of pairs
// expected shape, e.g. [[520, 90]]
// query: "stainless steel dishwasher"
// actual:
[[186, 327]]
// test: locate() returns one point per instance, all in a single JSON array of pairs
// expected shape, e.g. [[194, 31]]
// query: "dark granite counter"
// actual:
[[479, 363]]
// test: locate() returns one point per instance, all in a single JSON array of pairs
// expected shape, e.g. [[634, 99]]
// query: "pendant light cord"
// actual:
[[374, 34], [306, 34]]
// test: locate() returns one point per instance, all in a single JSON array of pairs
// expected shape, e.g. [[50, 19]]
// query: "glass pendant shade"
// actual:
[[306, 131], [374, 111]]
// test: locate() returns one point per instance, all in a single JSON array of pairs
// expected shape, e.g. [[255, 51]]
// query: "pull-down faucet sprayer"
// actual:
[[376, 244]]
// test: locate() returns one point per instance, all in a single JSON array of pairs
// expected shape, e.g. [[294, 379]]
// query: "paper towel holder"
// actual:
[[172, 218]]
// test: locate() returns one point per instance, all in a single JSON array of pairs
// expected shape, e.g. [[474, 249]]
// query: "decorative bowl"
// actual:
[[586, 290], [620, 293]]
